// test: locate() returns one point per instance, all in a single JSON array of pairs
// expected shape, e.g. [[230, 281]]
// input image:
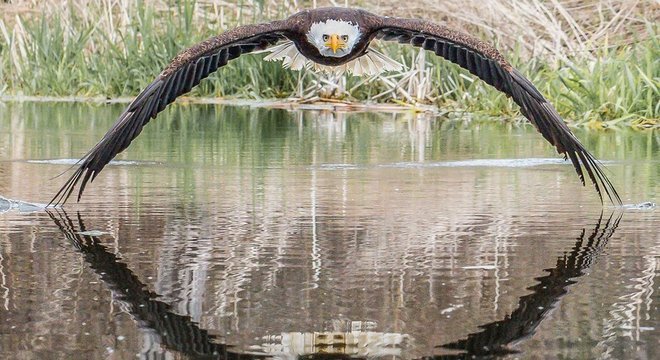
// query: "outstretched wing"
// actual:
[[488, 64], [184, 72]]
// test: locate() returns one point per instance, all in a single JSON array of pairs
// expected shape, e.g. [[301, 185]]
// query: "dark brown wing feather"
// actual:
[[183, 73], [487, 63]]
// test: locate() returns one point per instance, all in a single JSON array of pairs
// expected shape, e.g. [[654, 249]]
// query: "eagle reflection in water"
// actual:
[[179, 333]]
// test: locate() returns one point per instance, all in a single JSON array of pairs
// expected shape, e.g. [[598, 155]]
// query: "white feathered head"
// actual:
[[334, 38]]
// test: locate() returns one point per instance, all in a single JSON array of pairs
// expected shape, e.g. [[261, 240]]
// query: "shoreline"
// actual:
[[294, 104], [286, 104]]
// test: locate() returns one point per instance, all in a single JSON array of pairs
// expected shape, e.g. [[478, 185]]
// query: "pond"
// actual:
[[235, 231]]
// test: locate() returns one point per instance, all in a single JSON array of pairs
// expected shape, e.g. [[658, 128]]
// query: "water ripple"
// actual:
[[529, 162], [647, 205], [19, 206], [76, 161]]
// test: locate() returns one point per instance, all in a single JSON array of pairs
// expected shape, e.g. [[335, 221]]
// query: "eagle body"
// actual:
[[365, 21], [336, 39]]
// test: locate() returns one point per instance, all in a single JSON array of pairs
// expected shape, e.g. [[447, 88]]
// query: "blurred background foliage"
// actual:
[[598, 61]]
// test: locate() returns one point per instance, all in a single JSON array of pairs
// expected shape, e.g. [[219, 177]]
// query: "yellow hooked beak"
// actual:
[[335, 43]]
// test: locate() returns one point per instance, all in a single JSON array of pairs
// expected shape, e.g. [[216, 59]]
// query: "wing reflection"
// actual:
[[175, 332], [496, 337], [181, 334]]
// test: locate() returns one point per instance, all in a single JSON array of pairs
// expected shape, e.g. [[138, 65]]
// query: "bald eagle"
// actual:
[[335, 38]]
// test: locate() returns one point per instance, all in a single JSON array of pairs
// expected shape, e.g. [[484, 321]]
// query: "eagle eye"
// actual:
[[344, 38], [326, 37]]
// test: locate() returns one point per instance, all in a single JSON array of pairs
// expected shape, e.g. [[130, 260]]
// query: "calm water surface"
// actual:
[[228, 232]]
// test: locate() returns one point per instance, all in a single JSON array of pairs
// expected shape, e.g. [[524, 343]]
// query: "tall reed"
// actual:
[[597, 61]]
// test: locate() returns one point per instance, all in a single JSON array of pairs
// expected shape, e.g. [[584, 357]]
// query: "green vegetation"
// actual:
[[111, 51]]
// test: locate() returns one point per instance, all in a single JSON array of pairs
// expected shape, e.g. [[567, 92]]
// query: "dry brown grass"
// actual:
[[586, 46], [557, 29]]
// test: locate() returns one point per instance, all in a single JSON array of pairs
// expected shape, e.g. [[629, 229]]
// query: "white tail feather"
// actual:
[[371, 63]]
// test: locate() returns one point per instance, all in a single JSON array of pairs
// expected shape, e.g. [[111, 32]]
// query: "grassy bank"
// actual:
[[598, 65]]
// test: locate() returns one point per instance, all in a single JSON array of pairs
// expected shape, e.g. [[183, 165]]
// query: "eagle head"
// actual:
[[334, 38]]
